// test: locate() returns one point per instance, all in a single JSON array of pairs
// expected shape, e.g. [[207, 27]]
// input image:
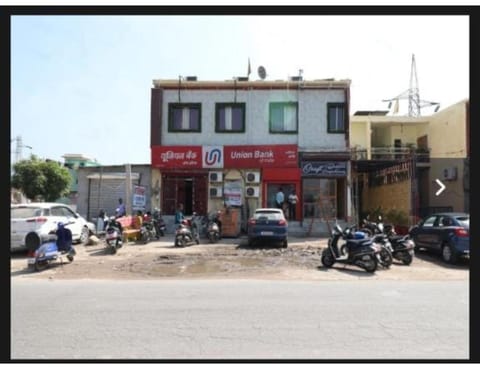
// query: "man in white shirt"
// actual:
[[280, 198], [292, 205]]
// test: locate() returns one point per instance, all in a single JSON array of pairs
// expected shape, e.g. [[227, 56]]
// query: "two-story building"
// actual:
[[397, 161], [234, 143]]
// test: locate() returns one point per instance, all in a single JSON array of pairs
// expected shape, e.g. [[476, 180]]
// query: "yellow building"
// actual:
[[398, 160]]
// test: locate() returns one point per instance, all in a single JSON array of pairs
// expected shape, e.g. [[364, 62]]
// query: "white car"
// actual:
[[30, 224]]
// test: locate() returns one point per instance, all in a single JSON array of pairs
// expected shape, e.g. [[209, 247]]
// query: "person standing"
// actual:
[[292, 205], [120, 211], [179, 214], [280, 198]]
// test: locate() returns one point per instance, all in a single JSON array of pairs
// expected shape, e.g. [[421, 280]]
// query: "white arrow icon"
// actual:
[[442, 187]]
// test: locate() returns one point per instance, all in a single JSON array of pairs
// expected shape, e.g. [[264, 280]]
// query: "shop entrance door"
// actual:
[[272, 189]]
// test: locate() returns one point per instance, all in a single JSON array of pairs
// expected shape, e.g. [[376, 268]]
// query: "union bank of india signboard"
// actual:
[[218, 157]]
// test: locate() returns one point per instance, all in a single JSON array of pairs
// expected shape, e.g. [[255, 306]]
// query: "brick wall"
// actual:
[[390, 196]]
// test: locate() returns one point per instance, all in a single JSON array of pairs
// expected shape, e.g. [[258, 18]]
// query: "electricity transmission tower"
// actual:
[[413, 96], [19, 148]]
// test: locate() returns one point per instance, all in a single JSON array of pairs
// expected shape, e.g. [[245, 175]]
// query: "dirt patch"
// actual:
[[231, 258]]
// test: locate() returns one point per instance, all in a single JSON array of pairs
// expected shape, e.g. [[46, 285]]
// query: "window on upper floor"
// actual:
[[336, 117], [230, 117], [184, 117], [283, 117]]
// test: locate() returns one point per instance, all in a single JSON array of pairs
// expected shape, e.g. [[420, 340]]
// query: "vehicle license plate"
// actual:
[[31, 261], [266, 233]]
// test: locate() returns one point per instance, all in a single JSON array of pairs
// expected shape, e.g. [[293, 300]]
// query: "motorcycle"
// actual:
[[187, 233], [213, 229], [49, 251], [357, 251], [113, 235], [147, 229], [403, 246], [159, 223]]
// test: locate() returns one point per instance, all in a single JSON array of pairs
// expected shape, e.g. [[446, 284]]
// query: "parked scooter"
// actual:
[[403, 246], [113, 235], [376, 232], [57, 245], [213, 228], [359, 252], [159, 223], [147, 229], [187, 232]]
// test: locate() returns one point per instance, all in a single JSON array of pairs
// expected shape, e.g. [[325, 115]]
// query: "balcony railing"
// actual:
[[391, 153]]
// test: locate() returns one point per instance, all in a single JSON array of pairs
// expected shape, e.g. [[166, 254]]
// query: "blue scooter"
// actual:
[[49, 251]]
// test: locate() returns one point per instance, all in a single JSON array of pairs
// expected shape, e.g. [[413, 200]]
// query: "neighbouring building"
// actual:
[[397, 161], [100, 188], [231, 145], [73, 162]]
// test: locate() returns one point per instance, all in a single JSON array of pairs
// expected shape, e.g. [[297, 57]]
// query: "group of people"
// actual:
[[288, 204]]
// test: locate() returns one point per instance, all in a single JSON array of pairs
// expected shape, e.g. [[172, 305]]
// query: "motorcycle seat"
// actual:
[[359, 243]]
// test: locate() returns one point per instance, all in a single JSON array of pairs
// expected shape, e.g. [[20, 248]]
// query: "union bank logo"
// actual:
[[212, 156]]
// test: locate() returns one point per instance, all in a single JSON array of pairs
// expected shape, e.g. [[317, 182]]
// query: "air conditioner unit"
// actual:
[[252, 177], [215, 176], [252, 191], [215, 191], [450, 173]]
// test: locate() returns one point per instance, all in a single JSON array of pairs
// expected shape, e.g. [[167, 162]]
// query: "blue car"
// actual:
[[269, 225], [447, 233]]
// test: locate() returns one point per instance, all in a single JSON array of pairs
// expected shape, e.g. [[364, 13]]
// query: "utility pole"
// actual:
[[128, 189]]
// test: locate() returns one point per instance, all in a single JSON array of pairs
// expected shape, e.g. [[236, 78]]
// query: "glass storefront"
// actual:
[[323, 197]]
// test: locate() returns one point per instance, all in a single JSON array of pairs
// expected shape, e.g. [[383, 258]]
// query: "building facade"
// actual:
[[233, 144], [73, 162], [397, 161]]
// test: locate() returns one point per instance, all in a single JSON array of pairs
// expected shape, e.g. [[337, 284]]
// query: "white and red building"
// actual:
[[217, 144]]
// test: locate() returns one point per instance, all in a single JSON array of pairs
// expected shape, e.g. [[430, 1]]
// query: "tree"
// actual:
[[38, 178]]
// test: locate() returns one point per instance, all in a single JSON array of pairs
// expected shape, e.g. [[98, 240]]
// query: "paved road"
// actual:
[[239, 319]]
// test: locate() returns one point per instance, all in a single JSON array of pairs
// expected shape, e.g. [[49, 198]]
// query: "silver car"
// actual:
[[30, 224]]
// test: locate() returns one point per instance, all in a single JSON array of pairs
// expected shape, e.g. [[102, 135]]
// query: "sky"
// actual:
[[81, 84]]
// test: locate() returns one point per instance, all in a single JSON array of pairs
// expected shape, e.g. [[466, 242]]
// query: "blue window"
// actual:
[[184, 117]]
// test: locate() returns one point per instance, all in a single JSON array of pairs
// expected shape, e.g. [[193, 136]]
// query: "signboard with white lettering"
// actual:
[[324, 168], [139, 197], [241, 156]]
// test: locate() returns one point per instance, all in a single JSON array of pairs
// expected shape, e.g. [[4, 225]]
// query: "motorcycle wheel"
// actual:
[[41, 265], [145, 238], [113, 249], [180, 242], [406, 258], [385, 258], [371, 265], [327, 258], [70, 258]]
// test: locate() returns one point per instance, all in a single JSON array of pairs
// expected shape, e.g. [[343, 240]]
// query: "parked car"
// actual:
[[447, 233], [31, 222], [268, 224]]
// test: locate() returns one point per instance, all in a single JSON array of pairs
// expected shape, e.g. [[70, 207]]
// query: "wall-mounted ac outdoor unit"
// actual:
[[215, 191], [449, 174], [215, 176], [252, 177], [252, 191]]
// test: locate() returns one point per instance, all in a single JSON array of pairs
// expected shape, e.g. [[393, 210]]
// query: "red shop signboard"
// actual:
[[260, 156], [242, 156], [177, 156]]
